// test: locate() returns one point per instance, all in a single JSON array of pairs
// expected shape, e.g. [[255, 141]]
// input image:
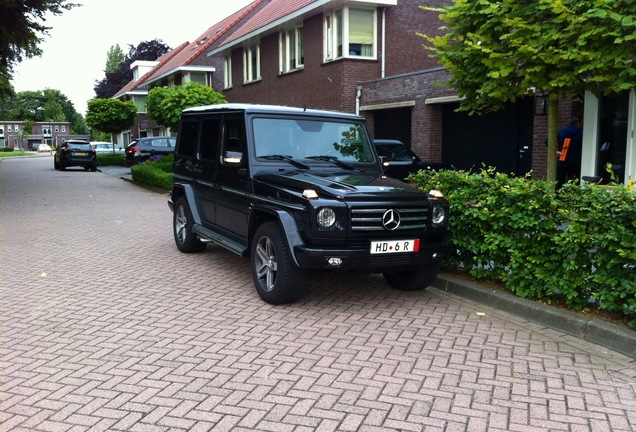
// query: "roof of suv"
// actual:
[[269, 109]]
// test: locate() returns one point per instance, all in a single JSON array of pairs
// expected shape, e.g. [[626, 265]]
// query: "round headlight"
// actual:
[[439, 215], [326, 218]]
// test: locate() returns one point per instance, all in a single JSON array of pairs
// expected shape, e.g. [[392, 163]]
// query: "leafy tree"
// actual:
[[500, 50], [164, 104], [114, 58], [21, 31], [116, 80], [110, 115]]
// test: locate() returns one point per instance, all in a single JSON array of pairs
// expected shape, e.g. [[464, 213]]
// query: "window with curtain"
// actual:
[[251, 64], [292, 55], [227, 72], [350, 33]]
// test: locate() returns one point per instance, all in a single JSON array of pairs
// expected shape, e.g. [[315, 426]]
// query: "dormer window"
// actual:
[[350, 33]]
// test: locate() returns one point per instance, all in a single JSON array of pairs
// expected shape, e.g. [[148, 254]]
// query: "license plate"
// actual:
[[80, 154], [395, 246]]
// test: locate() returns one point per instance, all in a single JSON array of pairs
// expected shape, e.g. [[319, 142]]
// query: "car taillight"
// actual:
[[133, 149]]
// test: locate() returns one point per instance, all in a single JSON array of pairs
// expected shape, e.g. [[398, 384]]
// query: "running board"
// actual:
[[208, 235]]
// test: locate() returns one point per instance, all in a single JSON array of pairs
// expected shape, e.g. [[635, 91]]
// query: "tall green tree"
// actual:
[[164, 104], [114, 58], [117, 79], [500, 50], [21, 31], [110, 115]]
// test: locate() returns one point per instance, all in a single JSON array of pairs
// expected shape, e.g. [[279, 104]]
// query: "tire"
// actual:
[[56, 165], [182, 222], [413, 280], [94, 168], [277, 279]]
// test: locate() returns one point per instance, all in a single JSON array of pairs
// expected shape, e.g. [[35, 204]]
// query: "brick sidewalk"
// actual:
[[106, 326]]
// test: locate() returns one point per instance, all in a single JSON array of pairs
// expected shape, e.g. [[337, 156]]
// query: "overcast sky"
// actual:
[[74, 53]]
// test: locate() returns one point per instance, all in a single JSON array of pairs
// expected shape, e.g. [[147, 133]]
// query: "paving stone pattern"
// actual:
[[106, 326]]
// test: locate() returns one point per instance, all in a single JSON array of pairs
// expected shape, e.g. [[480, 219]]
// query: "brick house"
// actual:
[[52, 133], [186, 63], [365, 56]]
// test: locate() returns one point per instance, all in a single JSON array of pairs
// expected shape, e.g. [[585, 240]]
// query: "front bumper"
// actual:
[[363, 261]]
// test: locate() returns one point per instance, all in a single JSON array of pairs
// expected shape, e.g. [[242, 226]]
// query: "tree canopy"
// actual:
[[116, 80], [43, 106], [21, 31], [164, 104], [110, 115], [500, 50]]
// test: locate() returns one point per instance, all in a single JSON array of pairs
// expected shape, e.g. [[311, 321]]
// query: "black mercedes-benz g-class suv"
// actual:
[[296, 189]]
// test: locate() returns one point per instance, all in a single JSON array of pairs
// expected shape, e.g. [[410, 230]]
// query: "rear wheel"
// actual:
[[182, 222], [413, 280], [276, 277]]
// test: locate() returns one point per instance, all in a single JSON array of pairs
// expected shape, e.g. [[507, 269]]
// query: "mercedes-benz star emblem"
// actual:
[[391, 220]]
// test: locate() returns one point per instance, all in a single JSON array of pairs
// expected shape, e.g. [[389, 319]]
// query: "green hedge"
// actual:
[[577, 244], [107, 159], [154, 172]]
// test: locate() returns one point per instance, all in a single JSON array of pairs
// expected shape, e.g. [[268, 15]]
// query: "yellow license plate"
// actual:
[[80, 154]]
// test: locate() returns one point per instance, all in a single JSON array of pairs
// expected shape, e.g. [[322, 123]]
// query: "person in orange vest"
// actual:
[[570, 150]]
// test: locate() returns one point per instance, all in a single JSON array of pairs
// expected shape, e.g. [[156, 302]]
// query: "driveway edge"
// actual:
[[592, 330]]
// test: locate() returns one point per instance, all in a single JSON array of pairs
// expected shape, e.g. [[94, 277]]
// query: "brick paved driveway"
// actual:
[[106, 326]]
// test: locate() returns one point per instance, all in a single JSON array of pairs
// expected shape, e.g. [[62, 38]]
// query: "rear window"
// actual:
[[72, 146]]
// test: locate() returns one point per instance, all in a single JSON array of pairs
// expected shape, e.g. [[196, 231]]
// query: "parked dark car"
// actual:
[[75, 153], [142, 149], [400, 161], [296, 190]]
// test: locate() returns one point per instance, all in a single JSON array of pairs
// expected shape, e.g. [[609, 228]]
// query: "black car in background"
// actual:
[[142, 149], [75, 153], [400, 161]]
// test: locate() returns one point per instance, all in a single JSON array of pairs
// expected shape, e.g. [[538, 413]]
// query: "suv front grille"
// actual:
[[370, 219]]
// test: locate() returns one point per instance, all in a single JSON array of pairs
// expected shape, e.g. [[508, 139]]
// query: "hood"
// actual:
[[338, 184]]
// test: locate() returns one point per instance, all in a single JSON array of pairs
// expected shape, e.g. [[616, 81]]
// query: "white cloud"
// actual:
[[74, 53]]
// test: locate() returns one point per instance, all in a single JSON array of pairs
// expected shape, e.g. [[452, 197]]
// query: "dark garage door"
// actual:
[[501, 139]]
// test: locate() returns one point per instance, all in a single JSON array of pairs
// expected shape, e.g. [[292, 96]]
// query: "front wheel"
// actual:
[[277, 279], [413, 280], [182, 222]]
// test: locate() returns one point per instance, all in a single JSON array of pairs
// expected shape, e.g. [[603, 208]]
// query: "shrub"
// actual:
[[577, 244], [154, 172], [109, 159]]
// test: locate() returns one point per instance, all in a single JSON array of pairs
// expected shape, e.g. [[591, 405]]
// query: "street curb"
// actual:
[[592, 330]]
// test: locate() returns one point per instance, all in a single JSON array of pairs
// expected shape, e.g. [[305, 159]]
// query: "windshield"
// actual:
[[312, 139]]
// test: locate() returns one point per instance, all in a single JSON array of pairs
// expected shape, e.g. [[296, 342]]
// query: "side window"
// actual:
[[210, 129], [234, 135], [187, 138]]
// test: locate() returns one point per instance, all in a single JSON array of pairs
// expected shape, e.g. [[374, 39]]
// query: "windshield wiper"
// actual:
[[286, 158], [333, 159]]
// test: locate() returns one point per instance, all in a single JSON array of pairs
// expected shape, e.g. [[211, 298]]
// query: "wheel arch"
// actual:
[[186, 190], [286, 220]]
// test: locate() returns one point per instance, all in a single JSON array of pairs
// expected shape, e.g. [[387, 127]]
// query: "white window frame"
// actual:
[[227, 72], [252, 63], [336, 39], [292, 50], [9, 128], [63, 129]]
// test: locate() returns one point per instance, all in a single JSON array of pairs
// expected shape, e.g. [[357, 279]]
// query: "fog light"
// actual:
[[335, 262], [435, 255]]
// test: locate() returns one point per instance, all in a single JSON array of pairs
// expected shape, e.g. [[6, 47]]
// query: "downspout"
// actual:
[[383, 72], [358, 97]]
